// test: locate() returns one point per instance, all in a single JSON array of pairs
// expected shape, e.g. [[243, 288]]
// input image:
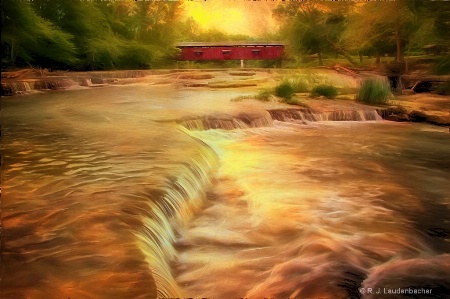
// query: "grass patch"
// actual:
[[298, 84], [284, 90], [296, 102], [240, 98], [328, 91], [264, 95], [374, 91]]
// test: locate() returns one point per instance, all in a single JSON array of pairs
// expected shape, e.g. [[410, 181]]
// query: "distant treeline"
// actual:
[[373, 28], [88, 35]]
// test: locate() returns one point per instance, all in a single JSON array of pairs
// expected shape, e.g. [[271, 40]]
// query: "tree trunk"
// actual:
[[399, 46], [13, 45], [13, 55], [377, 61], [319, 55], [340, 51], [347, 56], [360, 57]]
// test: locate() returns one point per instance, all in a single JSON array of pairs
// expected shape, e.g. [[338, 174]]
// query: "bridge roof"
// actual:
[[230, 44]]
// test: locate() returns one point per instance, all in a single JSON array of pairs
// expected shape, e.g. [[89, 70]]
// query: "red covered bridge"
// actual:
[[261, 50]]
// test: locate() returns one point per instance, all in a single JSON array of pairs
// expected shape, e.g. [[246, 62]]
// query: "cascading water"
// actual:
[[305, 223], [266, 118], [30, 85], [113, 199], [306, 115], [228, 122], [145, 192], [172, 208]]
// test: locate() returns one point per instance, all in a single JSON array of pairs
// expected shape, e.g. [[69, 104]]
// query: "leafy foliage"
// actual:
[[29, 38], [284, 90], [442, 67], [314, 28], [374, 91], [298, 84], [264, 95], [327, 91], [374, 28], [141, 34], [88, 35]]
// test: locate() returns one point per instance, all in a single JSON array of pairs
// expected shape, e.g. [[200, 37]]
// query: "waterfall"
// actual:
[[228, 122], [265, 119], [88, 79], [287, 115], [352, 115], [26, 86], [86, 82], [170, 207], [307, 115], [18, 87]]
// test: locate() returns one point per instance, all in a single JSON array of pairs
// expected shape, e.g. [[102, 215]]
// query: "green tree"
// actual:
[[384, 27], [188, 30], [313, 27], [31, 39], [435, 17], [119, 34]]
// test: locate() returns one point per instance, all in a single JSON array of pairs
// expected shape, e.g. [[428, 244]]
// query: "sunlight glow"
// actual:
[[228, 19], [232, 17]]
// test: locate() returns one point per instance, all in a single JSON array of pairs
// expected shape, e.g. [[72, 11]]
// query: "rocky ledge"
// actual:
[[401, 114]]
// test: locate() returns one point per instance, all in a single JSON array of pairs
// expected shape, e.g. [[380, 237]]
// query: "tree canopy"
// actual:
[[377, 28], [87, 35]]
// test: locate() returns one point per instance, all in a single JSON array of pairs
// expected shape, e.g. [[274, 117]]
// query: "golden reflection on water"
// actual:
[[295, 217], [118, 203]]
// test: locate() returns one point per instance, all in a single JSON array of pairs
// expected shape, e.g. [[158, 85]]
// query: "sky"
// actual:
[[252, 18]]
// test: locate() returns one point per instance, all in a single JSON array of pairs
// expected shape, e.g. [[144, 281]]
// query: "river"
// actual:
[[122, 192]]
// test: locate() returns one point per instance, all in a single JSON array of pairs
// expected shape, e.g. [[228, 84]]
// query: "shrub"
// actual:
[[264, 95], [298, 84], [284, 90], [374, 91], [327, 91]]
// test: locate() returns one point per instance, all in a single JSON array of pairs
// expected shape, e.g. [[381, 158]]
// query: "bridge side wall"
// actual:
[[231, 53]]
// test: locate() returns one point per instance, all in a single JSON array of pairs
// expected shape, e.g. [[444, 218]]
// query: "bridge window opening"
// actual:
[[226, 52]]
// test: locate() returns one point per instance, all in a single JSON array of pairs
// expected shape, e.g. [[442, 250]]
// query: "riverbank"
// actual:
[[421, 107]]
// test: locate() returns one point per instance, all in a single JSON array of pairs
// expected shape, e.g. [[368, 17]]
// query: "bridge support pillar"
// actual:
[[242, 63]]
